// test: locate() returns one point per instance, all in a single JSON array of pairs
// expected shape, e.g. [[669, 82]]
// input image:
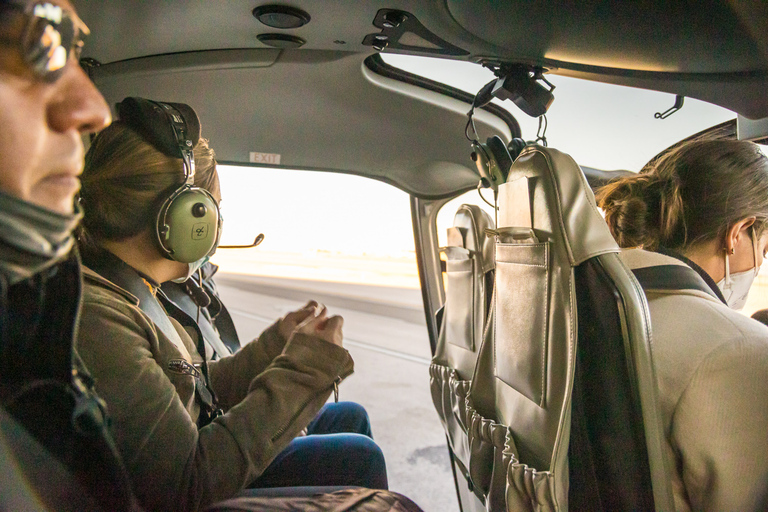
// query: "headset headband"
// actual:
[[188, 221], [172, 128]]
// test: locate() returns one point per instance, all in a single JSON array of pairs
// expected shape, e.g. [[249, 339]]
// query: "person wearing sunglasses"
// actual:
[[55, 451]]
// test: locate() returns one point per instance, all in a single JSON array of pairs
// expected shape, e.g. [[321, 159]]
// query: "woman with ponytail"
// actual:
[[693, 226]]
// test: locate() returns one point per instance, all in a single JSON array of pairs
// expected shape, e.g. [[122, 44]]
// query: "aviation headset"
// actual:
[[493, 159], [188, 220]]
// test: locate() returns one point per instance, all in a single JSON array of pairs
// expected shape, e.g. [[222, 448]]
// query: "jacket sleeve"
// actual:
[[719, 428], [172, 464], [231, 376]]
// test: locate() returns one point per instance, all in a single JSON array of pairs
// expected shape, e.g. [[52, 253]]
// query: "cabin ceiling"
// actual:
[[321, 106]]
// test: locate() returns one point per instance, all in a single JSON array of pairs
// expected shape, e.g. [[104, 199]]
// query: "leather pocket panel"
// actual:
[[522, 312], [460, 303]]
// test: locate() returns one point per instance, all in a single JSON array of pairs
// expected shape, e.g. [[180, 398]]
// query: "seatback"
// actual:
[[568, 352], [469, 280]]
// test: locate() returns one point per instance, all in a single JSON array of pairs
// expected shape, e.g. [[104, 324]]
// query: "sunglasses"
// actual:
[[45, 33]]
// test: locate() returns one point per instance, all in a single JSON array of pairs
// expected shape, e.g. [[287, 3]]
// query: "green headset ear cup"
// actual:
[[189, 225], [515, 147], [501, 157], [492, 161]]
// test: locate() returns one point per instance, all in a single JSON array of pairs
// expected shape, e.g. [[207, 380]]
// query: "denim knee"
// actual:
[[363, 452], [342, 417]]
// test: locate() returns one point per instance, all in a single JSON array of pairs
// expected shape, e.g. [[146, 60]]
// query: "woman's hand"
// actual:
[[291, 321], [324, 327]]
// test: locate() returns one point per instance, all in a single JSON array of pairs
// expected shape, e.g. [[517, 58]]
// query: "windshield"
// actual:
[[600, 125]]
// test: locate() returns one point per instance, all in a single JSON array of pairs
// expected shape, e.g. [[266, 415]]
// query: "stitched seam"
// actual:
[[507, 244], [488, 324], [559, 201], [495, 322], [544, 329], [524, 264], [474, 291], [558, 439]]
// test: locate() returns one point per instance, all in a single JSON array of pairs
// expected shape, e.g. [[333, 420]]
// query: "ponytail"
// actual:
[[690, 195]]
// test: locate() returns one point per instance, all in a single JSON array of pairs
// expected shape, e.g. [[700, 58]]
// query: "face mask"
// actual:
[[193, 267], [32, 238], [735, 287]]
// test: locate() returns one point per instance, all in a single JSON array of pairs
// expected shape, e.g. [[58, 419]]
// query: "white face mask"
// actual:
[[193, 267], [735, 287]]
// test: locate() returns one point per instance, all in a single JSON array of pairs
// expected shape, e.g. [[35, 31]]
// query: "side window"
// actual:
[[346, 242], [317, 226]]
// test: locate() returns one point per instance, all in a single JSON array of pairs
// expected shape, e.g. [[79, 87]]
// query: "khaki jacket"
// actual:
[[712, 369], [270, 390]]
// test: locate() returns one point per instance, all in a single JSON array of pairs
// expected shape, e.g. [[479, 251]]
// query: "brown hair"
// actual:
[[126, 179], [689, 195]]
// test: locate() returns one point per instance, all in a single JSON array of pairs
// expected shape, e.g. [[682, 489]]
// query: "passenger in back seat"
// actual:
[[697, 219], [180, 452], [196, 300], [55, 450]]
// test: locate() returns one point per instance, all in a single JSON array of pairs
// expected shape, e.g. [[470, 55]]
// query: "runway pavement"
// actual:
[[385, 332]]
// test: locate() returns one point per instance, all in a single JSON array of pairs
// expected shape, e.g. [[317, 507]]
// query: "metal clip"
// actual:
[[674, 108], [336, 389]]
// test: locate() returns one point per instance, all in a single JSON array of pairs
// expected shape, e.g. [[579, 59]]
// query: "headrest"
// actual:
[[568, 203], [473, 221], [164, 125]]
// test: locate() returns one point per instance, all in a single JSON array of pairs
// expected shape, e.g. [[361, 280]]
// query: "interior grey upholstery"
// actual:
[[638, 44], [320, 122], [468, 277], [518, 409]]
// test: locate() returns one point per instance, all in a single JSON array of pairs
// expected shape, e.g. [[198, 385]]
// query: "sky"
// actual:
[[325, 215]]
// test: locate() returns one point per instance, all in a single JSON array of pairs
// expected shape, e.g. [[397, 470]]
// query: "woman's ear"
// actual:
[[736, 231]]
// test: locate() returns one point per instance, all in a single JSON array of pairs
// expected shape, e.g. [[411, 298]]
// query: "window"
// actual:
[[604, 126], [347, 242], [317, 226]]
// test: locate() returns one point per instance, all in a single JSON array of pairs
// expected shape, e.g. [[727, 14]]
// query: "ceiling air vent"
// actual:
[[281, 16], [281, 40]]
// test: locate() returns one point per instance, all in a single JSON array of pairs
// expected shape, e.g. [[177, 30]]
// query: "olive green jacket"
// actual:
[[270, 390]]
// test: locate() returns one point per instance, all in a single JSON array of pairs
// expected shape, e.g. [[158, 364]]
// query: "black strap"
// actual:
[[218, 311], [182, 306], [214, 320], [225, 325], [205, 394], [702, 273], [672, 277]]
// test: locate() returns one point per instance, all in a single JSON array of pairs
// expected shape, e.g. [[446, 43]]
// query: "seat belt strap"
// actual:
[[123, 275], [672, 277], [184, 309]]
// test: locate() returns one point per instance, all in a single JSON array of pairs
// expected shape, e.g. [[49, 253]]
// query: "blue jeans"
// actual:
[[338, 450]]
